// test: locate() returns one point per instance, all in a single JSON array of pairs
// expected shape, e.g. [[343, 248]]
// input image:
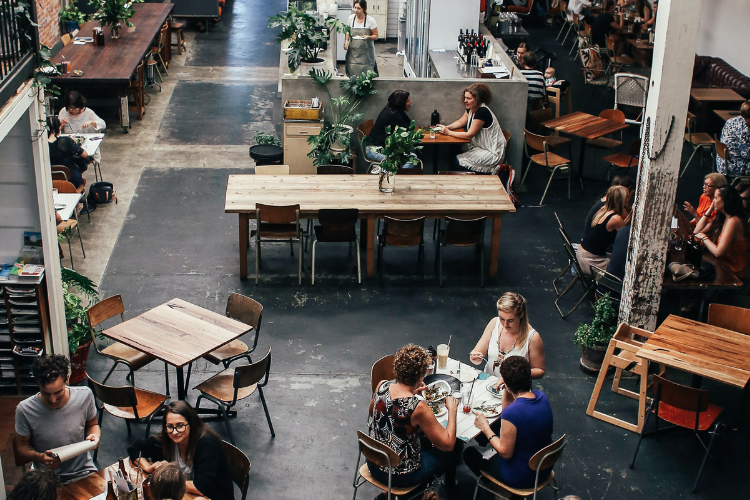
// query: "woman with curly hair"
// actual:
[[487, 147], [398, 415]]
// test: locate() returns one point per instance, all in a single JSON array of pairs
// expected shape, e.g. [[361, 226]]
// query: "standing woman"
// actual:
[[360, 41], [487, 147]]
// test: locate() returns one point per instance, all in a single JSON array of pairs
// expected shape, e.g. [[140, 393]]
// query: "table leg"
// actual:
[[370, 246], [124, 114], [180, 384], [497, 223], [581, 157], [244, 230], [435, 157]]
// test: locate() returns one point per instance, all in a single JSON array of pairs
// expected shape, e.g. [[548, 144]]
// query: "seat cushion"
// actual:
[[623, 59], [226, 351], [603, 143], [553, 159], [364, 471], [621, 160], [527, 492], [686, 419], [699, 138], [134, 357], [148, 402], [221, 387]]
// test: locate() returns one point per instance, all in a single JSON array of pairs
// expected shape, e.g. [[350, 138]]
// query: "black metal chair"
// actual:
[[337, 226], [334, 170], [461, 233], [585, 281], [402, 233]]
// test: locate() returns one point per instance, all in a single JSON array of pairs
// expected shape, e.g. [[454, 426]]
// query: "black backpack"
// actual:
[[101, 193]]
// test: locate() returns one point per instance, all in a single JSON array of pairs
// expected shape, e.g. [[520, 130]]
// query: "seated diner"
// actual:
[[711, 183], [168, 483], [36, 484], [726, 236], [76, 118], [600, 234], [393, 115], [66, 152]]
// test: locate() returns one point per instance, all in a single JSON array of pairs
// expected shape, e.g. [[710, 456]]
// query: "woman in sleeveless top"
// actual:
[[397, 416], [487, 147], [510, 335], [600, 234], [726, 236]]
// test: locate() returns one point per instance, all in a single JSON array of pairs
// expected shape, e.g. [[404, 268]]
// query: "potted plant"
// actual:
[[76, 319], [399, 149], [114, 13], [308, 34], [71, 18], [594, 337], [333, 144], [264, 138]]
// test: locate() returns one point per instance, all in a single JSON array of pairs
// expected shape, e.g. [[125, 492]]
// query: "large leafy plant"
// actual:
[[400, 145], [343, 111], [308, 34], [76, 305], [71, 13], [601, 329], [112, 12]]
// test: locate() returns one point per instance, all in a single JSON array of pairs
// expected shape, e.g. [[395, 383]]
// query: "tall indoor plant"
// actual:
[[594, 337], [114, 13], [400, 146], [76, 319], [308, 34]]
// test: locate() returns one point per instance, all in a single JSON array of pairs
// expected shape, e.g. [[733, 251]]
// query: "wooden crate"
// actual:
[[302, 110]]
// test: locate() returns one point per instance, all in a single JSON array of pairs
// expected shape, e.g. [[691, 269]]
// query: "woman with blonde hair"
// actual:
[[711, 182], [600, 235]]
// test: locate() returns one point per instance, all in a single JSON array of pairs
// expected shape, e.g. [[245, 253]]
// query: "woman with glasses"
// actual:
[[711, 183], [197, 450], [76, 118]]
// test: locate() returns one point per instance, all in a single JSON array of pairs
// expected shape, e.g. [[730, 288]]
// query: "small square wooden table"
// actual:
[[716, 95], [726, 114], [437, 141], [178, 333], [700, 349]]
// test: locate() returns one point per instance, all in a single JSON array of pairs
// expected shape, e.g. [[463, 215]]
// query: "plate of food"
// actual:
[[449, 379], [488, 410], [437, 391], [438, 410], [495, 392]]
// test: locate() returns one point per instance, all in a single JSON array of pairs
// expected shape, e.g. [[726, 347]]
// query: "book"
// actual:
[[5, 272], [31, 270]]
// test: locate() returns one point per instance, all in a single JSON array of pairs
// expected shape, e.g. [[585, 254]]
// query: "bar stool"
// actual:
[[151, 72], [177, 31]]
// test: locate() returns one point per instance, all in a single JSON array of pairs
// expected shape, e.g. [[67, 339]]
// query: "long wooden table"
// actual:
[[110, 67], [431, 196], [700, 349], [178, 333]]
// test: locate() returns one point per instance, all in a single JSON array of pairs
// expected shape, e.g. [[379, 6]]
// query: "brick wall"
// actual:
[[48, 19]]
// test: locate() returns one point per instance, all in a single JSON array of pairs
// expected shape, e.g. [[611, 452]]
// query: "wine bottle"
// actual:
[[434, 118]]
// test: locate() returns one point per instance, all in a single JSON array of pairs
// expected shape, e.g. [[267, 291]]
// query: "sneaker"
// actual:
[[376, 170]]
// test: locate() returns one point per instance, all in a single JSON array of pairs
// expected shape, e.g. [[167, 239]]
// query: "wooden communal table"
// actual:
[[585, 126], [700, 349], [110, 67], [643, 51], [437, 141], [726, 114], [431, 196], [178, 333]]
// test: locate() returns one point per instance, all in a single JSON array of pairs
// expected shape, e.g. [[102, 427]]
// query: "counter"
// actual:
[[448, 65]]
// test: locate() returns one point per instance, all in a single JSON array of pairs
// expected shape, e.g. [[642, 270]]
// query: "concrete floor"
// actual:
[[168, 237]]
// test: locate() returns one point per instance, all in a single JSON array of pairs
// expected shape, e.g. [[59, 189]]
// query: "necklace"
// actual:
[[501, 353]]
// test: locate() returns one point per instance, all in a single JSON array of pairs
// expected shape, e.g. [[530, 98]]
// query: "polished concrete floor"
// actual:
[[169, 237]]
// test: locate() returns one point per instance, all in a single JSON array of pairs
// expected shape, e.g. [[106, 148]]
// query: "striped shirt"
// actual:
[[537, 89]]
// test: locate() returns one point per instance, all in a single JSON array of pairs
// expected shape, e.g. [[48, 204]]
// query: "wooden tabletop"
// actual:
[[584, 125], [700, 349], [442, 138], [726, 114], [117, 59], [436, 195], [727, 95], [177, 332], [641, 44]]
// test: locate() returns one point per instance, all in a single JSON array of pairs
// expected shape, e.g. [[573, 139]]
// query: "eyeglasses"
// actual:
[[179, 427], [708, 185]]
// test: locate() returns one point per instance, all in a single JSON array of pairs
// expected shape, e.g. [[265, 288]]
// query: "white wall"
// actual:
[[395, 7], [724, 32]]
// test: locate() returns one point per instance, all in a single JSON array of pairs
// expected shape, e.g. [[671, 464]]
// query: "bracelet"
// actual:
[[492, 436], [703, 238]]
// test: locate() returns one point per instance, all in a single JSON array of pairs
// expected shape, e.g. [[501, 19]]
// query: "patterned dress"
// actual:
[[736, 136], [392, 427]]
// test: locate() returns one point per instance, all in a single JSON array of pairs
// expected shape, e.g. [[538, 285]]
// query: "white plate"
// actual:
[[488, 414], [491, 389], [442, 412], [442, 384]]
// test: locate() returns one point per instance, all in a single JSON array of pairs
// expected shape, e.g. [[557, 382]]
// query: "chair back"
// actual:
[[548, 456], [572, 256], [245, 310], [534, 141], [64, 187], [65, 39], [587, 29], [606, 280], [103, 310], [377, 452], [403, 232], [464, 232], [507, 135], [365, 128], [540, 116], [62, 169], [277, 214], [630, 90], [254, 373], [614, 115], [635, 152], [271, 169], [732, 318], [449, 172], [335, 170], [382, 369], [411, 171], [680, 396], [59, 176], [239, 466], [20, 462], [721, 149], [123, 397], [338, 224]]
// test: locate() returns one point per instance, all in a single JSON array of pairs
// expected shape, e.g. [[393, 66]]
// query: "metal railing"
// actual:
[[18, 40]]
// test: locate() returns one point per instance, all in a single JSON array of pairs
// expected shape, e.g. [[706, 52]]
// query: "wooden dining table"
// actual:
[[437, 141], [643, 51], [431, 196], [178, 333], [715, 95], [584, 126], [109, 68], [726, 114]]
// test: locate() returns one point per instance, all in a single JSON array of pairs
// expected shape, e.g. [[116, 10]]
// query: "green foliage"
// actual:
[[71, 13], [76, 318], [265, 138], [322, 152], [399, 146], [602, 328], [112, 12]]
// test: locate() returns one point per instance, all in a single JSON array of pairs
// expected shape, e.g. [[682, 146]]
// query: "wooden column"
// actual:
[[661, 150]]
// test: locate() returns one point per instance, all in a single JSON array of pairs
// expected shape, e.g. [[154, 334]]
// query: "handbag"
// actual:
[[506, 174], [101, 193]]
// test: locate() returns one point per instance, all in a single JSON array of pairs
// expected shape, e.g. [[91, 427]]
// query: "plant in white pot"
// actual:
[[308, 34], [594, 337], [401, 145]]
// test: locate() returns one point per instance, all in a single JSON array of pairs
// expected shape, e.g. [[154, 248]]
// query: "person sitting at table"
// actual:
[[517, 55], [76, 118], [643, 10], [197, 450], [711, 182], [726, 235], [67, 152], [57, 415], [36, 484], [537, 93], [600, 234], [510, 334], [577, 7], [604, 25], [398, 416], [651, 23], [487, 147], [525, 428], [736, 137], [618, 180], [169, 483], [392, 115], [549, 76]]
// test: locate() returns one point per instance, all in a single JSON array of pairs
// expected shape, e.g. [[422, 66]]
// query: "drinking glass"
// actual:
[[466, 398], [442, 351], [432, 133]]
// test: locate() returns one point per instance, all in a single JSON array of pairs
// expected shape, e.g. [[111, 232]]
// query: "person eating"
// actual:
[[359, 42], [393, 115], [398, 416], [76, 118], [66, 152], [487, 147], [186, 440]]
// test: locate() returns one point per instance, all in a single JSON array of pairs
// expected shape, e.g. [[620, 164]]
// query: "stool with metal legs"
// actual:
[[151, 71]]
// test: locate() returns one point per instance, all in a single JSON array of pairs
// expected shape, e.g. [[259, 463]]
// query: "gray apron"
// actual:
[[360, 57]]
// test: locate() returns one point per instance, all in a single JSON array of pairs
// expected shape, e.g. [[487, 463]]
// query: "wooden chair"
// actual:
[[698, 141], [131, 358], [65, 171], [20, 462], [616, 61], [556, 95], [550, 161], [605, 143], [619, 161], [66, 228], [177, 31], [363, 133], [721, 151], [684, 407], [65, 39], [377, 453], [337, 226], [128, 403], [462, 233], [382, 369], [136, 89], [580, 277], [239, 465], [69, 188], [736, 319], [72, 226], [277, 224], [563, 11], [521, 10], [334, 170], [608, 281], [544, 459], [234, 384], [401, 233], [271, 169], [158, 47]]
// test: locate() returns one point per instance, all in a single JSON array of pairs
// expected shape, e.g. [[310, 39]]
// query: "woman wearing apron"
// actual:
[[360, 42], [487, 147]]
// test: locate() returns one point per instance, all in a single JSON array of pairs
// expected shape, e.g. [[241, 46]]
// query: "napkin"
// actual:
[[483, 376]]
